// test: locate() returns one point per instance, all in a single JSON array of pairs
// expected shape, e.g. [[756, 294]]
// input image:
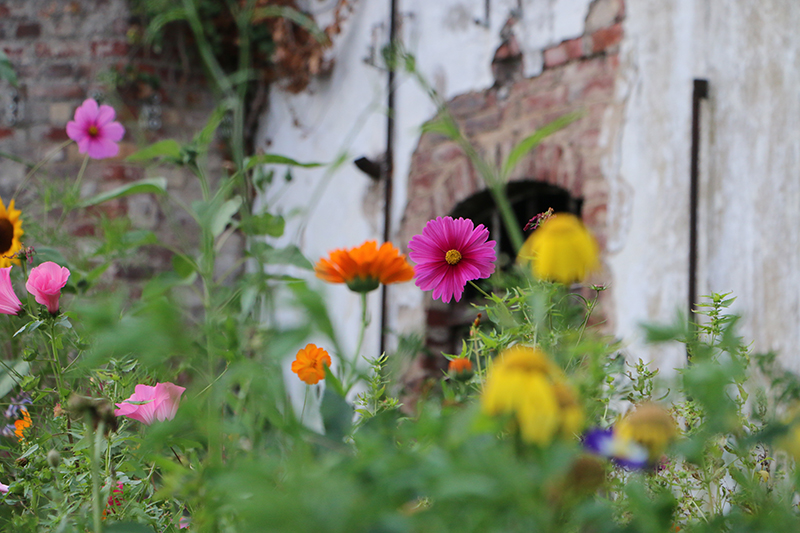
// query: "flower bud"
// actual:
[[53, 458]]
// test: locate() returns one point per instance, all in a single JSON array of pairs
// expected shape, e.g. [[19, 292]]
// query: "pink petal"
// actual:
[[167, 399], [9, 303], [105, 115], [113, 131], [83, 144], [75, 132], [87, 113], [102, 148]]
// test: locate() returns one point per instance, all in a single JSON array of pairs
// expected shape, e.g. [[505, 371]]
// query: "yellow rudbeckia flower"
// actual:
[[10, 232], [525, 384], [561, 250]]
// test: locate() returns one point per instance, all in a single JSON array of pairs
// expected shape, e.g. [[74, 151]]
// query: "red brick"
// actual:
[[606, 38], [556, 56], [28, 29], [14, 53], [467, 104], [482, 123], [4, 11], [59, 70], [118, 172], [545, 100], [85, 230], [109, 48], [56, 134], [603, 83], [6, 132], [62, 50], [447, 152], [57, 92]]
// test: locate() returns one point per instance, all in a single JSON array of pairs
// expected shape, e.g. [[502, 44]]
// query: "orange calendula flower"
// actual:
[[21, 425], [365, 267], [310, 364], [10, 232]]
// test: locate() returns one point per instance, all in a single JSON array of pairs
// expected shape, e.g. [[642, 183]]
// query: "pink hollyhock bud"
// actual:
[[9, 303], [45, 283], [3, 488], [152, 403], [95, 131]]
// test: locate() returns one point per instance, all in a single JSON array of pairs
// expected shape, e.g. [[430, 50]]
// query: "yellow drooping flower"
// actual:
[[525, 384], [10, 233], [561, 250], [649, 425]]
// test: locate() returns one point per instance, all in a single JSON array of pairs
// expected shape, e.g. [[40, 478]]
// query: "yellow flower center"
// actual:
[[6, 235], [93, 131], [452, 257]]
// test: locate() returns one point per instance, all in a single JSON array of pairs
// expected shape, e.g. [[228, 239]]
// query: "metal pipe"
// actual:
[[388, 165], [699, 93]]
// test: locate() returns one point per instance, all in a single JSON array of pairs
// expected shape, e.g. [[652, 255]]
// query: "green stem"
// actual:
[[79, 179], [55, 361], [479, 289], [33, 171], [95, 456]]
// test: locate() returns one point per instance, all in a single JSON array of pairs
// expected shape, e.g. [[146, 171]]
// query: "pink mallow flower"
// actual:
[[95, 131], [448, 254], [152, 403], [45, 283], [9, 303]]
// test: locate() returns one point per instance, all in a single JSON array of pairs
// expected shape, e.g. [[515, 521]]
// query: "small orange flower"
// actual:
[[460, 366], [23, 424], [310, 364], [365, 267]]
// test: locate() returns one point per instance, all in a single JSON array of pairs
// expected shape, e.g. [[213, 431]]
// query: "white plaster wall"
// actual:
[[750, 206], [345, 115]]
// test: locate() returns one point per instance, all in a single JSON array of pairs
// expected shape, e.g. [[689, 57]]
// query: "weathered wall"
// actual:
[[61, 51], [750, 196]]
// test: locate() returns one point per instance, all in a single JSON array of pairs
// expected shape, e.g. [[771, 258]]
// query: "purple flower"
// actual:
[[95, 131], [624, 452], [448, 254]]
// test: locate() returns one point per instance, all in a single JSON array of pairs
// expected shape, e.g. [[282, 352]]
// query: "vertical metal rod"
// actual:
[[388, 176], [699, 93]]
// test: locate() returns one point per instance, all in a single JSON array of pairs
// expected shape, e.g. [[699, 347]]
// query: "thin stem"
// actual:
[[479, 289], [55, 361], [79, 179], [305, 400], [38, 165], [98, 439]]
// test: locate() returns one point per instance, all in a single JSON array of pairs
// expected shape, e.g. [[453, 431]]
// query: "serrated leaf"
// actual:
[[145, 186], [166, 148]]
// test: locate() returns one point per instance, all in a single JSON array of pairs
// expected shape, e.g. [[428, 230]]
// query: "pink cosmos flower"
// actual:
[[9, 303], [152, 403], [95, 131], [448, 254], [45, 283]]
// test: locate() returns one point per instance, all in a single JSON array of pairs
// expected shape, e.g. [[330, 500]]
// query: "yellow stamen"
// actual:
[[93, 130], [452, 257]]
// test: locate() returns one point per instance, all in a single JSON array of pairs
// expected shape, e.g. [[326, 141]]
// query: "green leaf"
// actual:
[[206, 135], [224, 215], [264, 224], [166, 148], [529, 143], [291, 255], [337, 415], [183, 265], [6, 70], [315, 308], [127, 527], [10, 380], [148, 185], [442, 126], [274, 159]]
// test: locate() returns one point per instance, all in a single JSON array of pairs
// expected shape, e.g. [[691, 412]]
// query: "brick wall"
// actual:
[[63, 51], [578, 75]]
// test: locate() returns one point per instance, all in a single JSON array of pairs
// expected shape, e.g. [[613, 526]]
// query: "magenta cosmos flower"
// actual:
[[45, 283], [152, 403], [448, 254], [95, 131], [9, 303]]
